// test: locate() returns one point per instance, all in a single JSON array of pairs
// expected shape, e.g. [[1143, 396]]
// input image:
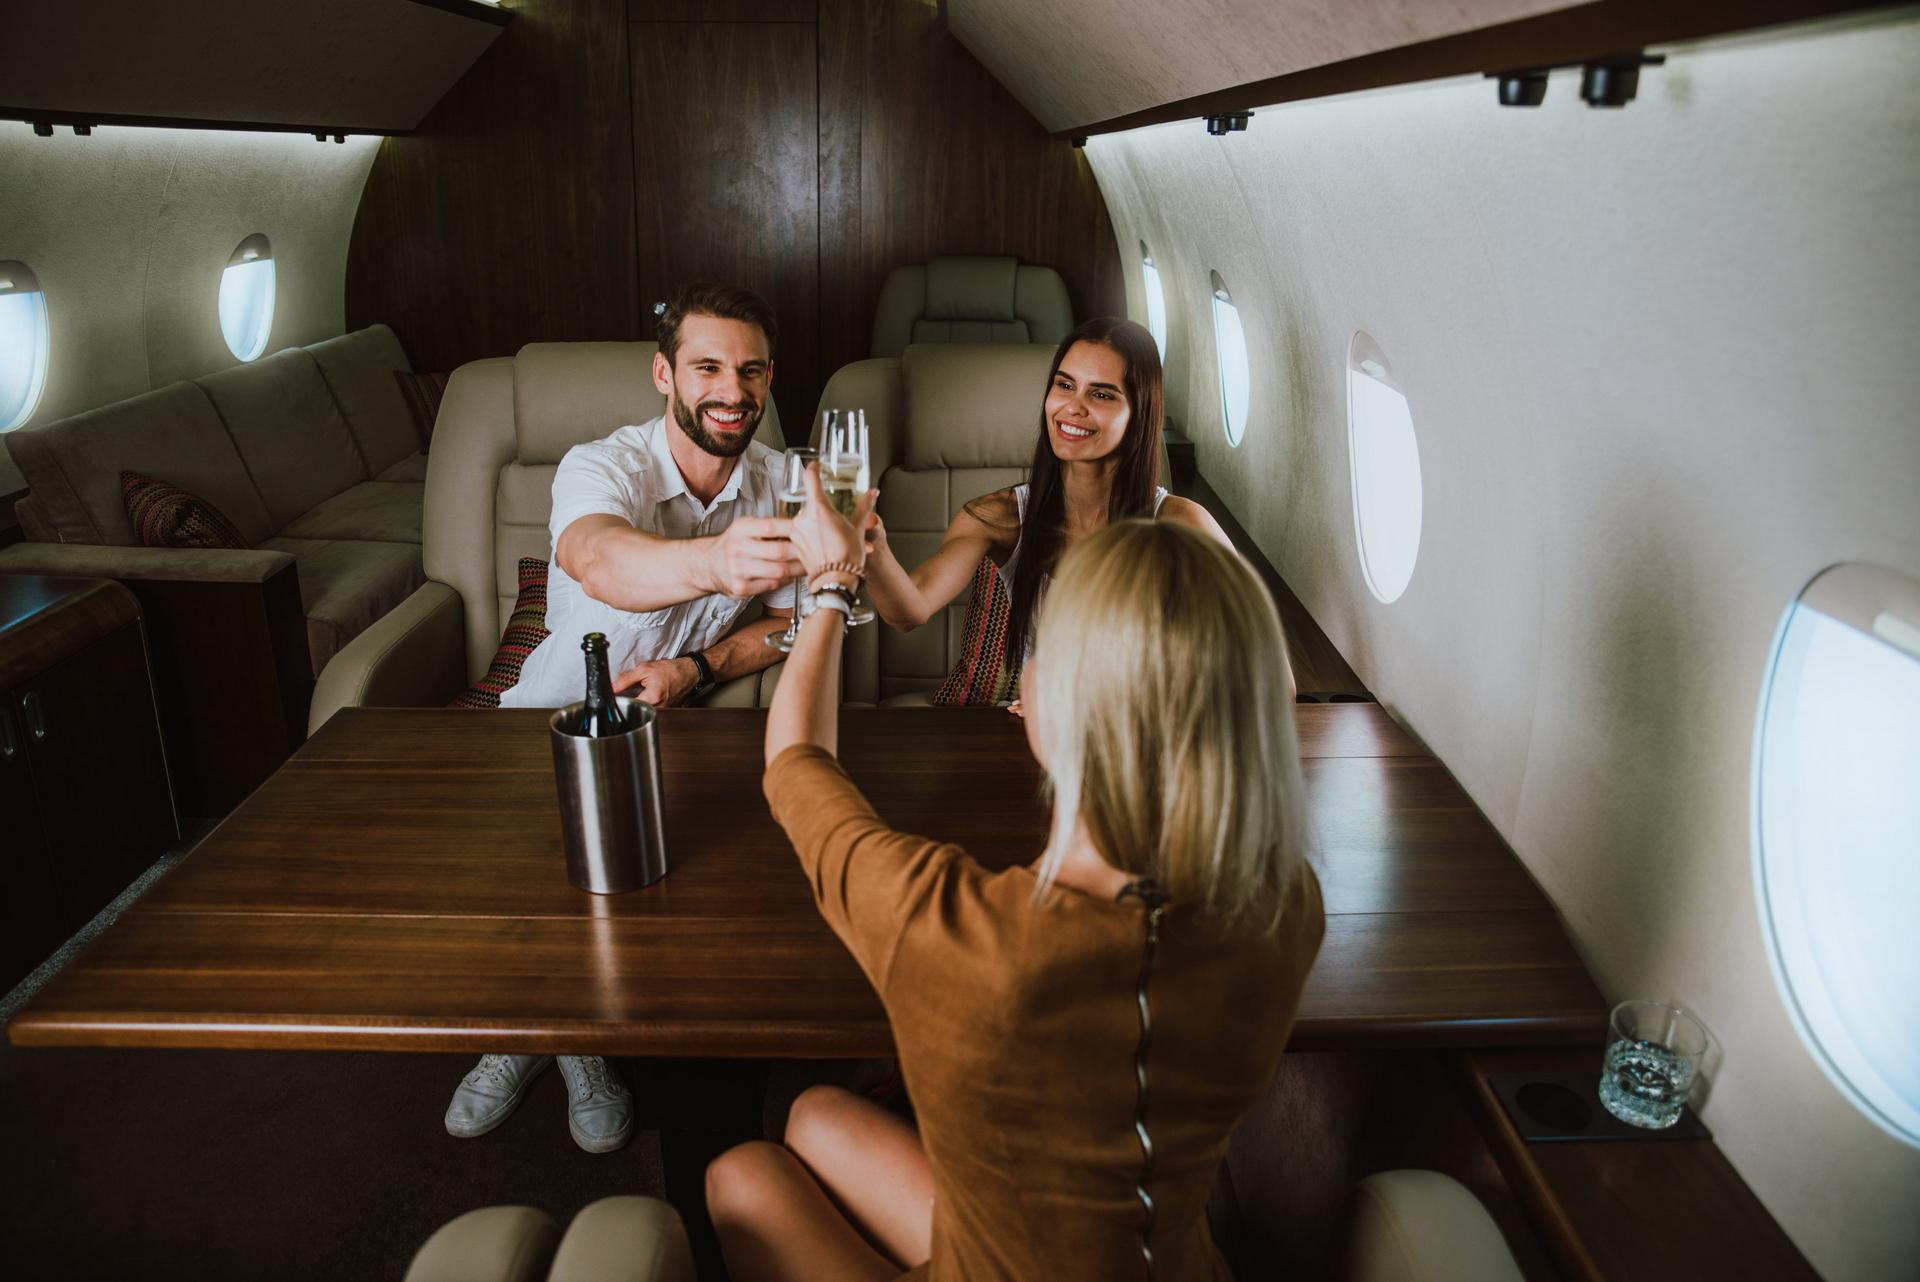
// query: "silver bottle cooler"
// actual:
[[611, 812]]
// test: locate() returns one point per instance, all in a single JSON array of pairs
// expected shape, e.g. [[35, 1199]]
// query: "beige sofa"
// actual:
[[310, 452], [970, 299], [503, 428]]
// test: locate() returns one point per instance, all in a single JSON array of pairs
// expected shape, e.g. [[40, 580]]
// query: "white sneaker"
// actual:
[[489, 1094], [599, 1106]]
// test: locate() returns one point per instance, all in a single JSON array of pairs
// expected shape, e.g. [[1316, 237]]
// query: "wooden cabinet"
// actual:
[[84, 800]]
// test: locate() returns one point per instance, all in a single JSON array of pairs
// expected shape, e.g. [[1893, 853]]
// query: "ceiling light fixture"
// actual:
[[1609, 80], [1231, 123]]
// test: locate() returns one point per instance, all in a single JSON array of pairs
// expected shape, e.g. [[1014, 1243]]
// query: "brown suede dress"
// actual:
[[1017, 1026]]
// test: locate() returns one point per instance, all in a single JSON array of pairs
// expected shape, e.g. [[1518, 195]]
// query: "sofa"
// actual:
[[503, 428], [313, 456]]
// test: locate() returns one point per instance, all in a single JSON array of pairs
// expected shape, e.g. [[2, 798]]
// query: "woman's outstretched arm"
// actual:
[[806, 707], [906, 599]]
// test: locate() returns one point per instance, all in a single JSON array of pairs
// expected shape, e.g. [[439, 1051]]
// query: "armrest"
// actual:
[[136, 565], [414, 656], [624, 1239], [1422, 1226], [495, 1244]]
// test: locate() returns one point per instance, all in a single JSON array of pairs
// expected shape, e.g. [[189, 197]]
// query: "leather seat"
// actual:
[[970, 300], [1422, 1226], [617, 1239], [947, 422], [504, 426]]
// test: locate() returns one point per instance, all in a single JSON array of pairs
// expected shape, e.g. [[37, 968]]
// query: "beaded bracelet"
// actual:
[[838, 591], [847, 568]]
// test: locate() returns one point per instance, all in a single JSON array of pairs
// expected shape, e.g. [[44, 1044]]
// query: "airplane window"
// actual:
[[246, 298], [1386, 470], [1156, 301], [23, 344], [1836, 821], [1236, 379]]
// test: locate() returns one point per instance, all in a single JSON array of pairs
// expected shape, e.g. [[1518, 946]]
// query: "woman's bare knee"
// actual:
[[745, 1182], [819, 1117]]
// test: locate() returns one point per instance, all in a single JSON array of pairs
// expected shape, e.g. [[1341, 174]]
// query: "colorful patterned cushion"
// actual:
[[423, 393], [165, 516], [526, 628], [982, 677]]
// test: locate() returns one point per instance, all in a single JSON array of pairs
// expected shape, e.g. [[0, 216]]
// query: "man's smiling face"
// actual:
[[717, 384]]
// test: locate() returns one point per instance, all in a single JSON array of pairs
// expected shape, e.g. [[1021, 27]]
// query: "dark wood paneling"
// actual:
[[726, 176], [1565, 35], [723, 10], [508, 216], [517, 212], [362, 898], [933, 156]]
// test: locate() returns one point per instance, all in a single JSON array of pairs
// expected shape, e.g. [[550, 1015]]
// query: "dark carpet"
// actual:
[[242, 1165]]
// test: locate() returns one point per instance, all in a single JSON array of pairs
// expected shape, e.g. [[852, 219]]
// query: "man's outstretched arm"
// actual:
[[635, 571], [665, 682]]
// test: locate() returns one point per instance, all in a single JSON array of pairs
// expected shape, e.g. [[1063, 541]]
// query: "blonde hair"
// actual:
[[1161, 673]]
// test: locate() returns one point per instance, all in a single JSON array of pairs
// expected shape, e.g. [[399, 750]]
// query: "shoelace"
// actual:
[[593, 1071], [1148, 893], [493, 1069]]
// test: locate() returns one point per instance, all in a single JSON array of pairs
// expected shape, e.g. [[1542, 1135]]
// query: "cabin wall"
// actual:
[[128, 231], [604, 152], [1661, 363]]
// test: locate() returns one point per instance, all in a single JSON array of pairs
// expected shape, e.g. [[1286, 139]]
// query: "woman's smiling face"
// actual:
[[1087, 409]]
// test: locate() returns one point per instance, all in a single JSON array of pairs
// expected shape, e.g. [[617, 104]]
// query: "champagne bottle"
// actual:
[[602, 717]]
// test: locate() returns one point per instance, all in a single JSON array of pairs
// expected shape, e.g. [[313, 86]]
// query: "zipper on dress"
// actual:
[[1148, 892]]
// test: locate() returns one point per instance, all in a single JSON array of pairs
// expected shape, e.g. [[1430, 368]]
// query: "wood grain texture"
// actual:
[[507, 217], [1612, 1210], [726, 176], [43, 619], [352, 900], [723, 10]]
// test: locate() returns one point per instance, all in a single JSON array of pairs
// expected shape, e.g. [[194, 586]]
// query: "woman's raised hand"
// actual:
[[822, 536]]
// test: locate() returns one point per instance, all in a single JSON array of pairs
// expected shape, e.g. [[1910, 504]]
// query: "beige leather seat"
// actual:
[[504, 425], [970, 300], [617, 1239], [949, 422], [1422, 1226]]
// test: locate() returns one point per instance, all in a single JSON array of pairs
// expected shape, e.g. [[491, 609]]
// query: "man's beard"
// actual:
[[691, 423]]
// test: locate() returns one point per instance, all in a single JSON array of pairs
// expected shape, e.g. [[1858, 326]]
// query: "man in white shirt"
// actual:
[[663, 533]]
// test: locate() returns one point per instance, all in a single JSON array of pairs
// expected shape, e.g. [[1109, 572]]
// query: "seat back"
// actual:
[[974, 299], [504, 426]]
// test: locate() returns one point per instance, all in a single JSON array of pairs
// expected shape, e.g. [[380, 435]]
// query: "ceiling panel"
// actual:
[[1076, 62], [372, 65]]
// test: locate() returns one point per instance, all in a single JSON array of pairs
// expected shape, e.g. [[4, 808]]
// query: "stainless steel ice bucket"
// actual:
[[610, 801]]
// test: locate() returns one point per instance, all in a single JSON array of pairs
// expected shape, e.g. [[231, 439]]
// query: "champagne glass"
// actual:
[[791, 498], [846, 474]]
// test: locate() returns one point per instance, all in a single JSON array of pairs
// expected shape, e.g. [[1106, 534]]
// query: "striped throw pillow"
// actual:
[[165, 516], [423, 393], [526, 628], [983, 676]]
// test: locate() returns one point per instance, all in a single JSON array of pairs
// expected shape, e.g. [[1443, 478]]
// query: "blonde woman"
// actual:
[[1172, 896]]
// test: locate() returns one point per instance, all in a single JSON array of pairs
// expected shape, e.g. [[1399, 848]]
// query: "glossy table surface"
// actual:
[[399, 884]]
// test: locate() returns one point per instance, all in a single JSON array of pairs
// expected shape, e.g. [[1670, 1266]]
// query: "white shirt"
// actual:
[[632, 475]]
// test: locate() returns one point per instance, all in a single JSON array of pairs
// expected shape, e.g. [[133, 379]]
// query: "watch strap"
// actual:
[[704, 682]]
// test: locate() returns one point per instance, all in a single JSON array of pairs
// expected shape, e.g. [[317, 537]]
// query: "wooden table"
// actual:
[[399, 885]]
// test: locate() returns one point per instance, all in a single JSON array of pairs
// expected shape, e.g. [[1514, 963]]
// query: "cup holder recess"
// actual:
[[1566, 1106]]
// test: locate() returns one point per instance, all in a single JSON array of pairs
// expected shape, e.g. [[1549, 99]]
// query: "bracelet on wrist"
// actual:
[[848, 568], [835, 602], [822, 579]]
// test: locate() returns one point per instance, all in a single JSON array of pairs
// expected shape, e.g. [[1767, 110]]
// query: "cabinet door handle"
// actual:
[[36, 720], [9, 738]]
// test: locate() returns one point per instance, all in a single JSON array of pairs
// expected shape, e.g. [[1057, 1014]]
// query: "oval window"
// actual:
[[1837, 833], [24, 340], [246, 298], [1386, 470], [1236, 379], [1156, 300]]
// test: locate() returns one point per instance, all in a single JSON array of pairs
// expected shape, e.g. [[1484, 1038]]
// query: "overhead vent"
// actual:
[[327, 67]]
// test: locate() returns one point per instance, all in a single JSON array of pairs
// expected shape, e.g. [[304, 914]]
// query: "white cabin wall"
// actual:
[[128, 231], [1664, 365]]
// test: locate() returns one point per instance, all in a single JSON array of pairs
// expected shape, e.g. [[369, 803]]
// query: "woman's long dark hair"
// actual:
[[1043, 531]]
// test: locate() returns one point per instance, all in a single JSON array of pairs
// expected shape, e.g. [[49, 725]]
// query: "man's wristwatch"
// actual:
[[704, 682]]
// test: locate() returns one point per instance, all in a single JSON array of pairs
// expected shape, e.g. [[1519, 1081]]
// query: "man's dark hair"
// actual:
[[711, 298]]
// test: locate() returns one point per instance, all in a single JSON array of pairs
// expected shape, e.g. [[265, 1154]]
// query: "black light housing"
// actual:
[[1524, 88], [1613, 81], [1231, 123]]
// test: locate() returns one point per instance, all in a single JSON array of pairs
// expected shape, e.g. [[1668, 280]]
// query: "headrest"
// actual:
[[971, 288], [973, 404], [565, 394]]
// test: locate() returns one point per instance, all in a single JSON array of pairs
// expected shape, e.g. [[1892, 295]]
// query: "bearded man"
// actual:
[[662, 535]]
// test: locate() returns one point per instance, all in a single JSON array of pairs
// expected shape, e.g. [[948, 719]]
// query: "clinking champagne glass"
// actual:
[[846, 473], [792, 497]]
